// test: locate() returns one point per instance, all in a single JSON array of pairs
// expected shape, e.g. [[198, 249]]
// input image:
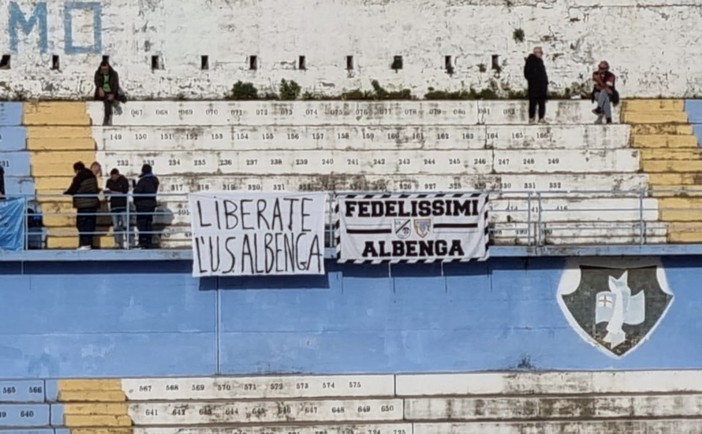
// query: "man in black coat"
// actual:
[[535, 73], [145, 203], [117, 189], [84, 190], [107, 89]]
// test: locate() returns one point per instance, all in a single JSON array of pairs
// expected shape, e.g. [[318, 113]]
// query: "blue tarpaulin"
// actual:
[[12, 224]]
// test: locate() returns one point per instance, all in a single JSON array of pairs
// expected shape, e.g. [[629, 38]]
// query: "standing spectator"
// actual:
[[117, 189], [2, 183], [84, 190], [604, 92], [145, 203], [537, 79], [107, 89]]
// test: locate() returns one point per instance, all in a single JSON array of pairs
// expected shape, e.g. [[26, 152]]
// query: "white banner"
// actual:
[[242, 234], [412, 227]]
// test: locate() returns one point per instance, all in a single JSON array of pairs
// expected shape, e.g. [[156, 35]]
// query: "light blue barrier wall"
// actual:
[[16, 164], [13, 139], [693, 107], [79, 319], [11, 113], [19, 186]]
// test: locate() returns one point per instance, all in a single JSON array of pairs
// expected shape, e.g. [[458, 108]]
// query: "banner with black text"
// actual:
[[411, 227], [243, 234]]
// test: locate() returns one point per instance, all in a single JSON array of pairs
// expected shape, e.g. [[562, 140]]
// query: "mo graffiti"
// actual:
[[23, 23]]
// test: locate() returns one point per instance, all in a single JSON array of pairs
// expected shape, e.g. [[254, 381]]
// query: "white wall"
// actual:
[[653, 45]]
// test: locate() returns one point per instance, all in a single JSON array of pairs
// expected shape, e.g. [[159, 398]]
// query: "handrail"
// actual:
[[516, 217]]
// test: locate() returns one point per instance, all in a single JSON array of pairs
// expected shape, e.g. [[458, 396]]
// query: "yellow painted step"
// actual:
[[101, 431], [56, 113], [90, 384], [59, 132], [100, 421], [95, 409], [664, 141], [59, 163], [661, 117], [649, 105], [675, 179], [674, 166], [657, 129], [70, 242], [52, 183], [680, 209], [662, 154], [685, 232], [61, 144]]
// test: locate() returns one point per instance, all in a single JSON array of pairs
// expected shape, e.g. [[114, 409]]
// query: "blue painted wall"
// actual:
[[693, 107], [65, 319]]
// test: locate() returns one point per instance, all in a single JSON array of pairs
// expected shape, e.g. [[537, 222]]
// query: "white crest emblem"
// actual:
[[614, 307]]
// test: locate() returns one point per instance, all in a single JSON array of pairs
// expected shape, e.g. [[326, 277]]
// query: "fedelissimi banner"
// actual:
[[242, 234], [411, 227]]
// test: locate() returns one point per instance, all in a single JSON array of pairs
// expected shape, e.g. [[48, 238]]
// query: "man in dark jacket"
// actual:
[[107, 89], [145, 203], [84, 190], [535, 73], [117, 189]]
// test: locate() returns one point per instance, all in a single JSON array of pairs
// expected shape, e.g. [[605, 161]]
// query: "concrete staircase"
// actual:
[[672, 159]]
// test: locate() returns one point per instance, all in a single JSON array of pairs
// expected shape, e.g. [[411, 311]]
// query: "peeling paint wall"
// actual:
[[652, 45]]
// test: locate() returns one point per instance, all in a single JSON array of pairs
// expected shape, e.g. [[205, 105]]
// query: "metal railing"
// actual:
[[528, 218]]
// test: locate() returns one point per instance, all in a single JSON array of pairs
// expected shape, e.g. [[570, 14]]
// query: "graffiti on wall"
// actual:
[[614, 307], [23, 23]]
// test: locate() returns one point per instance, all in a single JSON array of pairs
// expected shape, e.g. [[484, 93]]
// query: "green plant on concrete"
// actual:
[[380, 93], [518, 35], [433, 94], [357, 95], [377, 94], [289, 90], [243, 91]]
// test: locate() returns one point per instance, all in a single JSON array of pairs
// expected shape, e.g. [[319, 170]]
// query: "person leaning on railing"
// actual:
[[145, 202], [84, 190]]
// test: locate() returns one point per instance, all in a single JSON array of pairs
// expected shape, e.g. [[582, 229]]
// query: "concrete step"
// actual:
[[671, 166], [624, 426], [658, 129], [664, 141], [59, 132], [680, 209], [672, 180], [59, 163], [685, 232], [61, 144], [362, 138], [652, 105], [660, 154], [506, 183], [56, 113], [386, 162], [254, 113], [67, 238], [658, 117]]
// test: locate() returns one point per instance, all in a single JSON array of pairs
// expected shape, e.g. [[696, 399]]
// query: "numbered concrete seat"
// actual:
[[362, 113]]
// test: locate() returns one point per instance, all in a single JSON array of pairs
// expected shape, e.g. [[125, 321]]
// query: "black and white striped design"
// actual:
[[337, 222]]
